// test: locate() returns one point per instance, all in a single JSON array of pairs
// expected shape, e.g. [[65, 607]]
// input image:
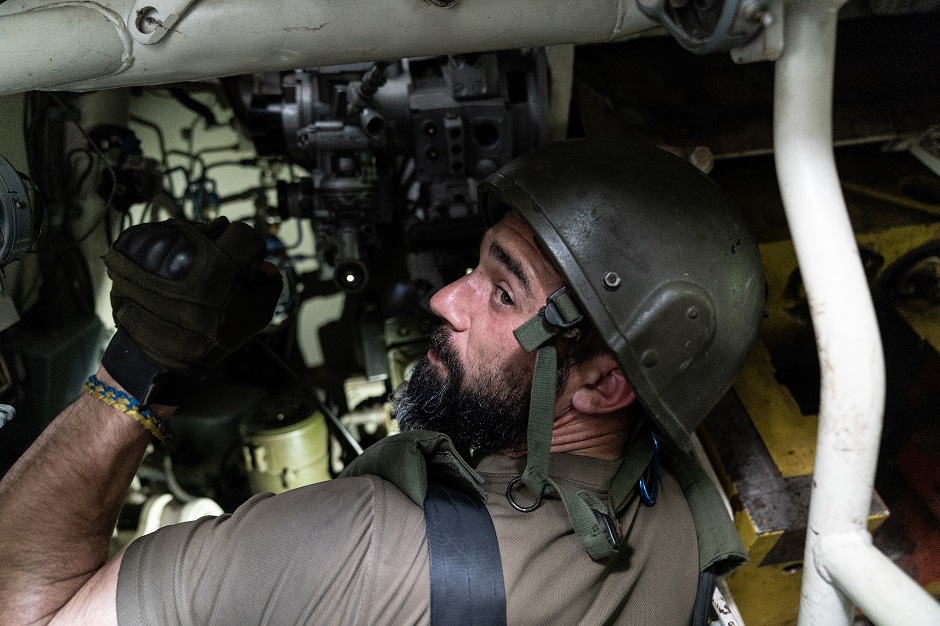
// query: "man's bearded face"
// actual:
[[483, 411]]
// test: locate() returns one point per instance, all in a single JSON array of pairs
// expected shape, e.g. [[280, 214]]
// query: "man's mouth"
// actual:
[[440, 354]]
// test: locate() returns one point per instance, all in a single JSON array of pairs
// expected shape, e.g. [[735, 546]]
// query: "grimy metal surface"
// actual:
[[94, 45], [774, 503]]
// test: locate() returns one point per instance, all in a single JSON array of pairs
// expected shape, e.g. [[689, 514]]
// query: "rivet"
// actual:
[[649, 358], [692, 313], [612, 280]]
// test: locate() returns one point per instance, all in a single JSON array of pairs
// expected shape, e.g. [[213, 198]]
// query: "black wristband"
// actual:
[[142, 377]]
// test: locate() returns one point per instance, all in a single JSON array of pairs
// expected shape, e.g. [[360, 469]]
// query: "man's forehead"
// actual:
[[513, 234]]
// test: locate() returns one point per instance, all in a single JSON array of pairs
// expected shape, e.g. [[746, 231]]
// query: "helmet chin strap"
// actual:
[[591, 519]]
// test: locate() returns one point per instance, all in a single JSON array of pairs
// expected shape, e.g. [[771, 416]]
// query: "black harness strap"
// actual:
[[466, 570], [703, 598]]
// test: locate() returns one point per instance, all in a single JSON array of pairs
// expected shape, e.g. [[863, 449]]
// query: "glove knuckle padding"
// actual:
[[189, 294], [161, 249]]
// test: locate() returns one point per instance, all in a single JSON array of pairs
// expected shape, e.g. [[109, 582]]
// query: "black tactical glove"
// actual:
[[185, 296]]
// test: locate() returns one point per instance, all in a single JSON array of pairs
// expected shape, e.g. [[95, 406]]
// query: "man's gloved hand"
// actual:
[[185, 295]]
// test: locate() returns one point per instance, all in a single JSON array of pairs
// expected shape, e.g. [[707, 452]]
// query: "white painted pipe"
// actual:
[[850, 354], [885, 594], [61, 42], [213, 39]]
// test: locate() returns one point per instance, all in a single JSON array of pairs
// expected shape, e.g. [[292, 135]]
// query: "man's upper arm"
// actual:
[[96, 602], [351, 550]]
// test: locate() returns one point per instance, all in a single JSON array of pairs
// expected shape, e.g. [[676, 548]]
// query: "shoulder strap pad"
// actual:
[[411, 460], [719, 545]]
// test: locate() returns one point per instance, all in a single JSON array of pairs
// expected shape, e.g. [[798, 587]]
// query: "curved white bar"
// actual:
[[214, 39], [850, 354], [885, 594]]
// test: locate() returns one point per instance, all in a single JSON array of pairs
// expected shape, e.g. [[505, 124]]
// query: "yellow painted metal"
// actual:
[[895, 242], [767, 596], [892, 244], [787, 312], [790, 436], [923, 318], [767, 589]]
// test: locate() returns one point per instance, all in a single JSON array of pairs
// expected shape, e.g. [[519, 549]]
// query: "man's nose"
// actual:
[[450, 304]]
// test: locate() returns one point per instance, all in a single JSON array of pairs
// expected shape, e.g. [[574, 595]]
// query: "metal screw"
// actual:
[[148, 20], [612, 280], [702, 158]]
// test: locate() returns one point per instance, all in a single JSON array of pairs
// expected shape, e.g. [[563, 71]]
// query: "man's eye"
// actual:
[[504, 297]]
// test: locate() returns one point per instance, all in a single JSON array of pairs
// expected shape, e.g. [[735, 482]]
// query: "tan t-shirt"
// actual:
[[353, 551]]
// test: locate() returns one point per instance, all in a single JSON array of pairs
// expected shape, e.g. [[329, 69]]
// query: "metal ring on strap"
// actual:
[[516, 505]]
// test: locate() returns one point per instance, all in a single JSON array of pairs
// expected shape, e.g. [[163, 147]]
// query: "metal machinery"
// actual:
[[383, 139], [371, 128], [391, 153]]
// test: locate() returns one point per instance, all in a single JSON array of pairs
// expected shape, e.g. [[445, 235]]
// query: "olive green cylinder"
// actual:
[[284, 445]]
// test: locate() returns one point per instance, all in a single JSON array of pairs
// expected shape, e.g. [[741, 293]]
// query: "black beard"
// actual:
[[481, 416]]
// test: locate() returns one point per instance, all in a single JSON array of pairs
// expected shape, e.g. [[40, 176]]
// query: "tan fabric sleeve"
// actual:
[[313, 555]]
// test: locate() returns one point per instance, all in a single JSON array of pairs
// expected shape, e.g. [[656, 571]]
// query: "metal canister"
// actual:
[[284, 445]]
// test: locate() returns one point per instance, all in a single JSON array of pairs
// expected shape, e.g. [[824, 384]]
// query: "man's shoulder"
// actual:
[[307, 546], [355, 494]]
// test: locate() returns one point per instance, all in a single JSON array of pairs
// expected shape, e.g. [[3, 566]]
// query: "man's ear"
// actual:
[[603, 387]]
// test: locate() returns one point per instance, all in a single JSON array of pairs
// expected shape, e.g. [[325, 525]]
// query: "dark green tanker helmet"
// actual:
[[657, 256]]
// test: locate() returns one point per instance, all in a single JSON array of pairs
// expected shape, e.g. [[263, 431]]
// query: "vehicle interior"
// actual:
[[353, 141]]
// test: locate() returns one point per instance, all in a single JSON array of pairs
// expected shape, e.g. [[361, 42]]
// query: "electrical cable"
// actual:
[[80, 181], [203, 111], [161, 142], [226, 148], [345, 437], [114, 184], [246, 194], [193, 159], [231, 163], [300, 236], [172, 484]]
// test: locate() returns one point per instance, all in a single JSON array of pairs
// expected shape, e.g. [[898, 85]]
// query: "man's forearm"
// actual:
[[59, 503]]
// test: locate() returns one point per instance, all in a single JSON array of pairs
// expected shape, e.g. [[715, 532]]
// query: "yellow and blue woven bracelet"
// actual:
[[128, 405]]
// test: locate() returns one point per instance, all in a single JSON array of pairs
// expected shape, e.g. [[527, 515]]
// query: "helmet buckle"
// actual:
[[560, 310]]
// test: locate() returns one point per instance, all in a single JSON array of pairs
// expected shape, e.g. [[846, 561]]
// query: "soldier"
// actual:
[[617, 295]]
